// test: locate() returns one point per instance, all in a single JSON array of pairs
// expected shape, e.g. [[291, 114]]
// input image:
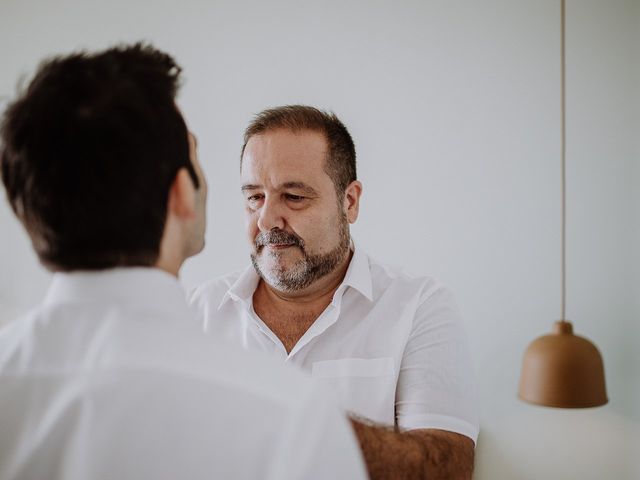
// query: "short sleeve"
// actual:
[[436, 385]]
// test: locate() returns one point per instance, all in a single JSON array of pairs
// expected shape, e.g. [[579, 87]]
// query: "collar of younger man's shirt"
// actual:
[[358, 276], [127, 285]]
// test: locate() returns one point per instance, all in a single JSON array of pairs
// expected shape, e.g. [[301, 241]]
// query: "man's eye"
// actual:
[[294, 198], [254, 198]]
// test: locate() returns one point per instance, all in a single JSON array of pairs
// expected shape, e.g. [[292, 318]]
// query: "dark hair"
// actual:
[[89, 152], [341, 159]]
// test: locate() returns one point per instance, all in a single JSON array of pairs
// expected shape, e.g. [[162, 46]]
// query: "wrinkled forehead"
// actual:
[[285, 156]]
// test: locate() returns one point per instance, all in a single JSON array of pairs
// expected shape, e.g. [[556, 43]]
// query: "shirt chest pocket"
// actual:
[[364, 386]]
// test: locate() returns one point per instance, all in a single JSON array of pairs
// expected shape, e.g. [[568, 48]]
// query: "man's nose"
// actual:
[[271, 215]]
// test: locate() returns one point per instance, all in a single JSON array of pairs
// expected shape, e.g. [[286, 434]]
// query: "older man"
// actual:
[[108, 378], [391, 346]]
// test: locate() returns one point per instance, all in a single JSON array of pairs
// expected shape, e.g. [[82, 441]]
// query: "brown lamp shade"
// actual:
[[563, 370]]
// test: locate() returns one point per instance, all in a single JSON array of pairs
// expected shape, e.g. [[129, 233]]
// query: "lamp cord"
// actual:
[[563, 148]]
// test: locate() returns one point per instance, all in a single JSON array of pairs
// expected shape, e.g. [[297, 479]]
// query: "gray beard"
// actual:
[[310, 268]]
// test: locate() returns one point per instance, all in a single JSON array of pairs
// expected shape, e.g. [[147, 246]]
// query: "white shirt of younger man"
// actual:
[[109, 379]]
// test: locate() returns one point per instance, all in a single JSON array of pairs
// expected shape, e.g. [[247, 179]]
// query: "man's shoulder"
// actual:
[[12, 333], [223, 365], [159, 346], [385, 277]]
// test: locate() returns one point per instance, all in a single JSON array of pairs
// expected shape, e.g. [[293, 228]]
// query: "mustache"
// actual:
[[278, 237]]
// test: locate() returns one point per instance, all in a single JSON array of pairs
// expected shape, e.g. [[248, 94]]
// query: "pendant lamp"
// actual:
[[562, 369]]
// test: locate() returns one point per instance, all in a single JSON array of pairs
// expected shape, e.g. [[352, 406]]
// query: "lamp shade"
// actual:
[[563, 370]]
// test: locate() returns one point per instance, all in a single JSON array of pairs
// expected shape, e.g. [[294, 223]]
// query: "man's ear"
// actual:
[[352, 200], [182, 195]]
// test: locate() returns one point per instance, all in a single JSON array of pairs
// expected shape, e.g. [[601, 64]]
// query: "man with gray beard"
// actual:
[[390, 346]]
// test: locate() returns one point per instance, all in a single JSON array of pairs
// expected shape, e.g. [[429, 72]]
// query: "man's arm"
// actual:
[[416, 454], [435, 396]]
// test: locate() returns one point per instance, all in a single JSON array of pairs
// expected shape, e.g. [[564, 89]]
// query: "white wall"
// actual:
[[635, 125], [454, 110]]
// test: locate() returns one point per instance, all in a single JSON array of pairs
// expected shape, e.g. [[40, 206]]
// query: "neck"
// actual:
[[168, 266], [170, 259], [320, 292]]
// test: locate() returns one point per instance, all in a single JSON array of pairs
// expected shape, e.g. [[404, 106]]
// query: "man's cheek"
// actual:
[[252, 231]]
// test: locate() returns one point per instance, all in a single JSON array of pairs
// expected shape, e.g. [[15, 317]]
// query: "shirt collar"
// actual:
[[129, 285], [243, 288], [358, 276]]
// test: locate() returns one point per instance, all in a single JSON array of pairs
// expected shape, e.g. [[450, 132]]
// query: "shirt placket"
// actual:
[[264, 330], [327, 318]]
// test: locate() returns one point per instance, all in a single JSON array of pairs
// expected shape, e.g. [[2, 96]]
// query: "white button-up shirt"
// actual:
[[391, 346], [110, 378]]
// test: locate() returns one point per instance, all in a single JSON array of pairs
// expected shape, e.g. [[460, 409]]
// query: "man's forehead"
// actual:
[[290, 185], [282, 174], [283, 142], [280, 159]]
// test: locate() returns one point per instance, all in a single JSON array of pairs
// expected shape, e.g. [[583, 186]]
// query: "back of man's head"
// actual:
[[89, 151]]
